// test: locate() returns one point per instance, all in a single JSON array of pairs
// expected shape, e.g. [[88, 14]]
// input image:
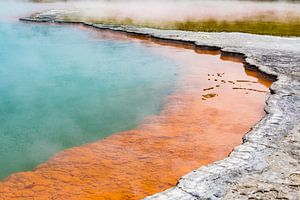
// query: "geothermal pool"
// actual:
[[139, 114]]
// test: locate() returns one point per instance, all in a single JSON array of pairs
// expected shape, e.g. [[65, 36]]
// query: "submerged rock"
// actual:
[[210, 95]]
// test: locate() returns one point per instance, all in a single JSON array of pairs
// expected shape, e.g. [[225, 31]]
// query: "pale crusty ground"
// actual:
[[280, 179]]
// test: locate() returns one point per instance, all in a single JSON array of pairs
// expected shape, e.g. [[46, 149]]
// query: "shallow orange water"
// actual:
[[192, 130]]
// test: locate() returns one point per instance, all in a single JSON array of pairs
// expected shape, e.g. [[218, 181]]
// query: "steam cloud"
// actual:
[[179, 10]]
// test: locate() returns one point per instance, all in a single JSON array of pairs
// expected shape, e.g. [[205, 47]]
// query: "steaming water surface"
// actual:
[[62, 87]]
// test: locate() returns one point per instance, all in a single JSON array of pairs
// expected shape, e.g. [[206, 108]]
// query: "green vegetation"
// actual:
[[279, 28], [256, 25]]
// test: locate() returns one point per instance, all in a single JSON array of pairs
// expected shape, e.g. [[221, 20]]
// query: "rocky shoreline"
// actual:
[[266, 165]]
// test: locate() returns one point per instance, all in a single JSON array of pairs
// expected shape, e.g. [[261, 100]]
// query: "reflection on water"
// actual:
[[266, 81], [261, 78]]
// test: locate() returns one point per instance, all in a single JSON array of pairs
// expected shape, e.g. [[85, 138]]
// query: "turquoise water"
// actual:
[[60, 86]]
